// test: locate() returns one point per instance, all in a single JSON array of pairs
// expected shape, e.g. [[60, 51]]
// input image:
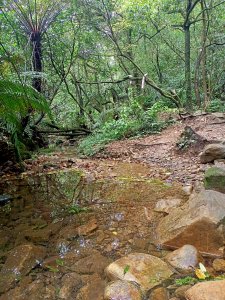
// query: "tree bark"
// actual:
[[37, 59]]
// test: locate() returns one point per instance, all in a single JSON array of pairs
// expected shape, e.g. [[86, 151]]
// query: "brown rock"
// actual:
[[219, 265], [146, 270], [68, 232], [212, 152], [124, 290], [184, 259], [180, 292], [167, 205], [87, 228], [19, 263], [94, 289], [34, 291], [94, 263], [71, 282], [196, 222], [159, 294], [210, 290]]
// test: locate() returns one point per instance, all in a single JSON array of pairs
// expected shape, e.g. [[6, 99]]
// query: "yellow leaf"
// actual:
[[200, 274]]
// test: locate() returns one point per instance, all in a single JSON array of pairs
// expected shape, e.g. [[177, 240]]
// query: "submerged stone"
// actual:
[[19, 263]]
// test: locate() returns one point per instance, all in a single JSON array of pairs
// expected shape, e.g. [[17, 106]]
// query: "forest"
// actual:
[[104, 69], [112, 149]]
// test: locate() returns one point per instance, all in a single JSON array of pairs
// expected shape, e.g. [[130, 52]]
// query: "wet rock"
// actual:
[[215, 179], [184, 259], [219, 265], [196, 222], [71, 282], [34, 291], [166, 205], [125, 290], [88, 228], [207, 291], [19, 263], [212, 152], [94, 263], [146, 270], [94, 289], [159, 294], [180, 292], [68, 232]]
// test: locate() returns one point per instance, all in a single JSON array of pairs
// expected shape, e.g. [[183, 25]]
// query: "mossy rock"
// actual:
[[215, 179]]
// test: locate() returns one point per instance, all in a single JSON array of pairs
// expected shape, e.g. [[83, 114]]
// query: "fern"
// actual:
[[15, 101]]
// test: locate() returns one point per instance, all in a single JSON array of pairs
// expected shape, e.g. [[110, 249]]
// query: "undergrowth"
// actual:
[[133, 121]]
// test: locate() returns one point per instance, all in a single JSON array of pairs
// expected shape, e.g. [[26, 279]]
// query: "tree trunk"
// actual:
[[186, 28], [37, 59]]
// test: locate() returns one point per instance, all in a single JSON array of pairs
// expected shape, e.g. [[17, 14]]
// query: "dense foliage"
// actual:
[[108, 66]]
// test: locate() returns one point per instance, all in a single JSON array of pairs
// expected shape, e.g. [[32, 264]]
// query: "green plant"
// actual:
[[16, 100], [216, 105], [186, 280], [76, 209]]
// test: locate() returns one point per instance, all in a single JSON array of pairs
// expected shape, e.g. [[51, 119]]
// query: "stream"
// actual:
[[70, 226]]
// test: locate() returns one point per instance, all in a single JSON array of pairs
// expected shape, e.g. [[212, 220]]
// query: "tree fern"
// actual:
[[15, 101]]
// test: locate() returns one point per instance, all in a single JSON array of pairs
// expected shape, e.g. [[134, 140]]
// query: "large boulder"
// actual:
[[124, 290], [146, 270], [195, 223], [210, 290], [184, 259], [212, 152], [19, 263], [215, 179]]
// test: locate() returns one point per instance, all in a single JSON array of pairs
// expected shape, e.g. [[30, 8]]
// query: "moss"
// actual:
[[215, 179]]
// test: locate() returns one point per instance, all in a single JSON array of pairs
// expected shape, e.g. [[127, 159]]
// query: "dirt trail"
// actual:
[[158, 154], [161, 153]]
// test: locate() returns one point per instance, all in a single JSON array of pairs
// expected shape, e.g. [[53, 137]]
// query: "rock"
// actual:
[[212, 152], [94, 263], [188, 189], [71, 282], [94, 289], [33, 291], [70, 232], [122, 290], [196, 222], [219, 163], [19, 263], [184, 259], [210, 290], [180, 292], [166, 205], [87, 228], [219, 265], [215, 179], [159, 294], [146, 270]]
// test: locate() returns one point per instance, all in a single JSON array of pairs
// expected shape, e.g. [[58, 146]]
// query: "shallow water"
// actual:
[[113, 216]]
